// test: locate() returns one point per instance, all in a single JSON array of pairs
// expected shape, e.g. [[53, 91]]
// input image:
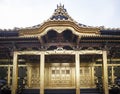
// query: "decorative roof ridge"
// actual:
[[87, 26], [32, 27], [9, 30], [101, 36], [107, 28], [35, 26], [60, 14]]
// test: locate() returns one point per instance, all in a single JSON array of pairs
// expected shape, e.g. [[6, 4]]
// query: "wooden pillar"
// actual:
[[105, 73], [15, 74], [77, 73], [92, 75], [42, 65], [112, 74], [29, 75], [8, 78]]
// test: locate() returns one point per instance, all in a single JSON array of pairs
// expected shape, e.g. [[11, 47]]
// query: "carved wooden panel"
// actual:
[[35, 76], [60, 76], [85, 77]]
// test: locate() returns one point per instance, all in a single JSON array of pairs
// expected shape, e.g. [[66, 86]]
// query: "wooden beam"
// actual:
[[57, 51], [90, 52]]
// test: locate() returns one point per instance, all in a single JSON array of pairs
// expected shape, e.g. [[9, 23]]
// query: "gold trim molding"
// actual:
[[59, 26]]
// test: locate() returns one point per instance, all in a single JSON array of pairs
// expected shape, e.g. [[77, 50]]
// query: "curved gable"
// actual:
[[59, 21], [59, 26]]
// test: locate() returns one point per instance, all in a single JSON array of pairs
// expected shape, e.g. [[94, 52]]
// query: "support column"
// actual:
[[112, 74], [92, 75], [8, 78], [77, 72], [105, 73], [42, 65], [29, 75], [15, 73]]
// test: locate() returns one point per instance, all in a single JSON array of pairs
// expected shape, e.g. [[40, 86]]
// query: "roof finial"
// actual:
[[60, 13], [63, 5], [60, 4]]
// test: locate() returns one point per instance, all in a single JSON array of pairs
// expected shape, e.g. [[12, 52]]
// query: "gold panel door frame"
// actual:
[[85, 77], [34, 76], [60, 76]]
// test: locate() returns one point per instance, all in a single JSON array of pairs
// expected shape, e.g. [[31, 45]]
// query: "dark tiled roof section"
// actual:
[[110, 32], [9, 33], [61, 17]]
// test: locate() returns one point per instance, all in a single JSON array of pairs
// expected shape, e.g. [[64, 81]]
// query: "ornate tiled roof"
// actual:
[[59, 17], [109, 31], [9, 33], [60, 14]]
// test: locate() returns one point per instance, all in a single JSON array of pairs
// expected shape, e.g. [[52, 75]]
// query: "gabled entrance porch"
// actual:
[[77, 67]]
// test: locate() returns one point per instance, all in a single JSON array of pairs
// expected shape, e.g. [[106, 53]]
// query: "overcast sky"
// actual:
[[26, 13]]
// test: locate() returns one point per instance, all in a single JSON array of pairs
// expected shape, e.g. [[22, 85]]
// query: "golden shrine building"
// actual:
[[60, 56]]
